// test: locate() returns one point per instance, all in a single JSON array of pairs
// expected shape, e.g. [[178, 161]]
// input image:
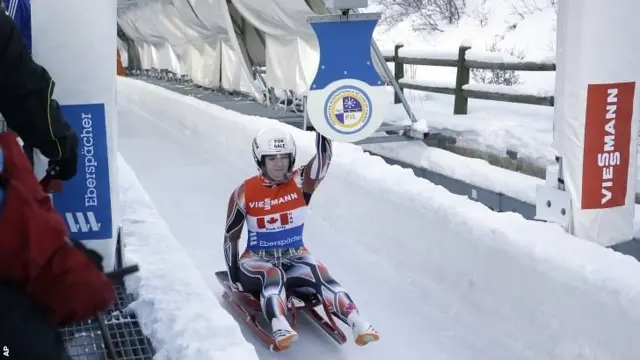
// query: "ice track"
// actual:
[[190, 181]]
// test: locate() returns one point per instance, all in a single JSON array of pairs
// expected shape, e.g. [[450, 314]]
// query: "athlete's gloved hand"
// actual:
[[65, 168]]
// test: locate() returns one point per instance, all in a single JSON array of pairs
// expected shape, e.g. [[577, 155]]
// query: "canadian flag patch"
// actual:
[[274, 221]]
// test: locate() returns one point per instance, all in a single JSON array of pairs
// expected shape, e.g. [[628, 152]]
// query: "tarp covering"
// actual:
[[221, 43], [193, 37], [291, 45]]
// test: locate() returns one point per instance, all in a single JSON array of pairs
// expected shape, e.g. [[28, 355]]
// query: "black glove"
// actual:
[[93, 255], [66, 167]]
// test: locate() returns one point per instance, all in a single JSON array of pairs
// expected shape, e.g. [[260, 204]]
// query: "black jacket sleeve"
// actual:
[[26, 103]]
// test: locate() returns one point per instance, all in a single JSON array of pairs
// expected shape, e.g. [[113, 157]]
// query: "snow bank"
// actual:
[[476, 172], [498, 57], [428, 53], [449, 53], [429, 83], [523, 27], [509, 90], [557, 296], [490, 88], [177, 311]]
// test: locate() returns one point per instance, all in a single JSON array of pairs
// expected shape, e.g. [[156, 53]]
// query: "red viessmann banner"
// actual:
[[607, 138]]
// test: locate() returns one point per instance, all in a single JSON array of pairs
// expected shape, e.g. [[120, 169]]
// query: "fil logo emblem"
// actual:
[[83, 222]]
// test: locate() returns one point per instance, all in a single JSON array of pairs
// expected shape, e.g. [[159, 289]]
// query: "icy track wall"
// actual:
[[176, 310], [557, 296]]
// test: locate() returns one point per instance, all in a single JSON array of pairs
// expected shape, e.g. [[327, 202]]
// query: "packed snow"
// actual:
[[473, 284], [491, 126], [504, 89], [425, 53], [526, 28], [515, 32], [176, 310], [521, 27]]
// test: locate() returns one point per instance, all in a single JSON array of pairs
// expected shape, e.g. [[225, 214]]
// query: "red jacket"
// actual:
[[35, 251]]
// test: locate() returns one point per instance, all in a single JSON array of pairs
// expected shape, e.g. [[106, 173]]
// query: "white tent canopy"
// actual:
[[290, 44], [219, 43]]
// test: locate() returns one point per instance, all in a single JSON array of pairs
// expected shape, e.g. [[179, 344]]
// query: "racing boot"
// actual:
[[363, 332], [283, 334]]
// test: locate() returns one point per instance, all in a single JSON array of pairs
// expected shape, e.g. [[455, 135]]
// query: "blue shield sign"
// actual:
[[85, 201], [347, 100]]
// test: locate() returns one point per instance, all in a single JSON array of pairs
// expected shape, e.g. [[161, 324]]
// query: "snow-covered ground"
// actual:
[[441, 276], [491, 126], [497, 31], [532, 37], [189, 177], [173, 303]]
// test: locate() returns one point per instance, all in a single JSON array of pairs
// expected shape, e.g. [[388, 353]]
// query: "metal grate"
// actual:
[[85, 341], [124, 330]]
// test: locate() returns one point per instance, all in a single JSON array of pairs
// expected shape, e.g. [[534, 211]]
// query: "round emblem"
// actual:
[[348, 109]]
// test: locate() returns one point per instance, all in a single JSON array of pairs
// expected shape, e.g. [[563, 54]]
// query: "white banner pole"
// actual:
[[596, 127], [76, 41]]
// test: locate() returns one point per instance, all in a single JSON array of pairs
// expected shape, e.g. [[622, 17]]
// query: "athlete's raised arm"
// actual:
[[233, 231], [317, 167]]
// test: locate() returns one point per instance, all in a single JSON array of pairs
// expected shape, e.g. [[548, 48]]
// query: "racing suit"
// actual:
[[275, 257]]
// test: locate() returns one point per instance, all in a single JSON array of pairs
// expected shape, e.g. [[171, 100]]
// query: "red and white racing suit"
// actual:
[[275, 252]]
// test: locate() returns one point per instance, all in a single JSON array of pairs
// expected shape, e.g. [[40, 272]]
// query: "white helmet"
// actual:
[[273, 141]]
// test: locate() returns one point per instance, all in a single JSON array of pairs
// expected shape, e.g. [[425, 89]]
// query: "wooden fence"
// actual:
[[464, 67]]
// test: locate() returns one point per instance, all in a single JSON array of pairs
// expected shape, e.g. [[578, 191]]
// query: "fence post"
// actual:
[[398, 71], [461, 103]]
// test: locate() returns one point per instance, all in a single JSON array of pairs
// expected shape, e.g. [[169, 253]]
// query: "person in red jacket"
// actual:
[[46, 279]]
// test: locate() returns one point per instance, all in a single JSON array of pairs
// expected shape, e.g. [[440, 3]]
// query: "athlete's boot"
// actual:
[[363, 332], [283, 334]]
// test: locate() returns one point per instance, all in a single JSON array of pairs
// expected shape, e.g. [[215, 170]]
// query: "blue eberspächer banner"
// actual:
[[85, 201]]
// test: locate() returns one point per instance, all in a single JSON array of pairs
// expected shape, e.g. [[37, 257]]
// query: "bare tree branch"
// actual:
[[425, 15]]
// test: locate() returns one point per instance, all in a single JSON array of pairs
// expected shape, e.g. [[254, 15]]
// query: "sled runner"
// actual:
[[247, 305]]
